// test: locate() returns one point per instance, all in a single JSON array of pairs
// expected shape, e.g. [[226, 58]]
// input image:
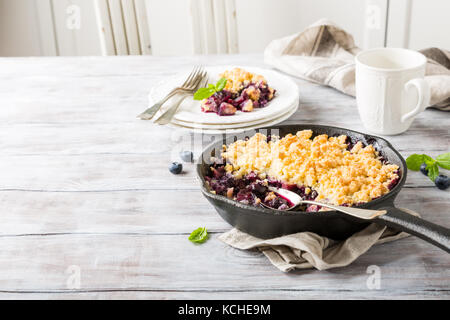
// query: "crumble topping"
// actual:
[[237, 78], [324, 164]]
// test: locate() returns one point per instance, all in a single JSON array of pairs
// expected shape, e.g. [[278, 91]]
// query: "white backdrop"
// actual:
[[177, 27]]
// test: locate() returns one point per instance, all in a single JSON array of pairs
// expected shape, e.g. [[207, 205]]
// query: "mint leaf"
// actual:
[[414, 161], [203, 93], [221, 84], [443, 160], [433, 171], [199, 235], [429, 161]]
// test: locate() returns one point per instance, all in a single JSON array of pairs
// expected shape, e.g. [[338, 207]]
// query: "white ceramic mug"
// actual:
[[390, 89]]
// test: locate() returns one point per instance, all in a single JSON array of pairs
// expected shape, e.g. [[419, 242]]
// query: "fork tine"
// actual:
[[195, 75], [194, 83], [189, 78], [193, 79], [202, 78]]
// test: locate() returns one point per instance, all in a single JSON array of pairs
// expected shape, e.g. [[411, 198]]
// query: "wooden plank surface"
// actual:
[[146, 211], [85, 184]]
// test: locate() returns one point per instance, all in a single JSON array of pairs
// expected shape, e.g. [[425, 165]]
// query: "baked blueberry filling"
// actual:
[[249, 190], [252, 188], [253, 191], [226, 103]]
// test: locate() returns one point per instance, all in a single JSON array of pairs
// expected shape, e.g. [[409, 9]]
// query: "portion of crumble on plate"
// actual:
[[243, 91]]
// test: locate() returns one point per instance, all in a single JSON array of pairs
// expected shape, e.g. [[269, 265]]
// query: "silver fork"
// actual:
[[168, 115], [187, 87]]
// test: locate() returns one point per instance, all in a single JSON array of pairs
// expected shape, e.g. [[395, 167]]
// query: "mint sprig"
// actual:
[[204, 93], [221, 84], [199, 235], [414, 161], [443, 160]]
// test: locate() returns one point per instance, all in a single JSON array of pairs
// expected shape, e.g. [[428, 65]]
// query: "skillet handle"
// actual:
[[428, 231]]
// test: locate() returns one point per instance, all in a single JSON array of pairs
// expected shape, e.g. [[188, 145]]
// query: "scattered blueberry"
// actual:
[[442, 182], [187, 156], [176, 168], [423, 169]]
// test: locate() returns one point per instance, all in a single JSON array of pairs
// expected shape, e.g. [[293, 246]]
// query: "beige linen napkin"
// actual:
[[324, 53], [308, 250]]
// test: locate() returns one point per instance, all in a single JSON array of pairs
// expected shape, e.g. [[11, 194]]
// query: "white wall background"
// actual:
[[170, 26], [260, 21], [178, 27]]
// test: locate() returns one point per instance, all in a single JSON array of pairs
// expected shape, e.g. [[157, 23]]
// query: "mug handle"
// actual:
[[423, 90]]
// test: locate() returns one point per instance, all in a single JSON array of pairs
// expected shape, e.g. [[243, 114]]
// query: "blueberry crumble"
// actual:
[[243, 91], [332, 170]]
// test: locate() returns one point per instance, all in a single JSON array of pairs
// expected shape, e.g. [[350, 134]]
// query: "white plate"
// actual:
[[231, 125], [190, 112], [237, 130]]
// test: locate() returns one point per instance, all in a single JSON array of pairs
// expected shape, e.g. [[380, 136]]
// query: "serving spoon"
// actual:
[[296, 200], [391, 217]]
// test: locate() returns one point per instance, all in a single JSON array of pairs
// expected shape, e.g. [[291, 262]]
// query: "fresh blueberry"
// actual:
[[176, 168], [423, 169], [442, 182], [187, 156]]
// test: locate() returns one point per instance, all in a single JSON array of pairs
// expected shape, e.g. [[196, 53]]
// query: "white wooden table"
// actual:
[[85, 190]]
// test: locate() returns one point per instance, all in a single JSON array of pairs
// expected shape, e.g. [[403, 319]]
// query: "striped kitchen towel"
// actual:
[[324, 53]]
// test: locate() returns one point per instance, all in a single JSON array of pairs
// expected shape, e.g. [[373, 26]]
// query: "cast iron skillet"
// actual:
[[265, 223]]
